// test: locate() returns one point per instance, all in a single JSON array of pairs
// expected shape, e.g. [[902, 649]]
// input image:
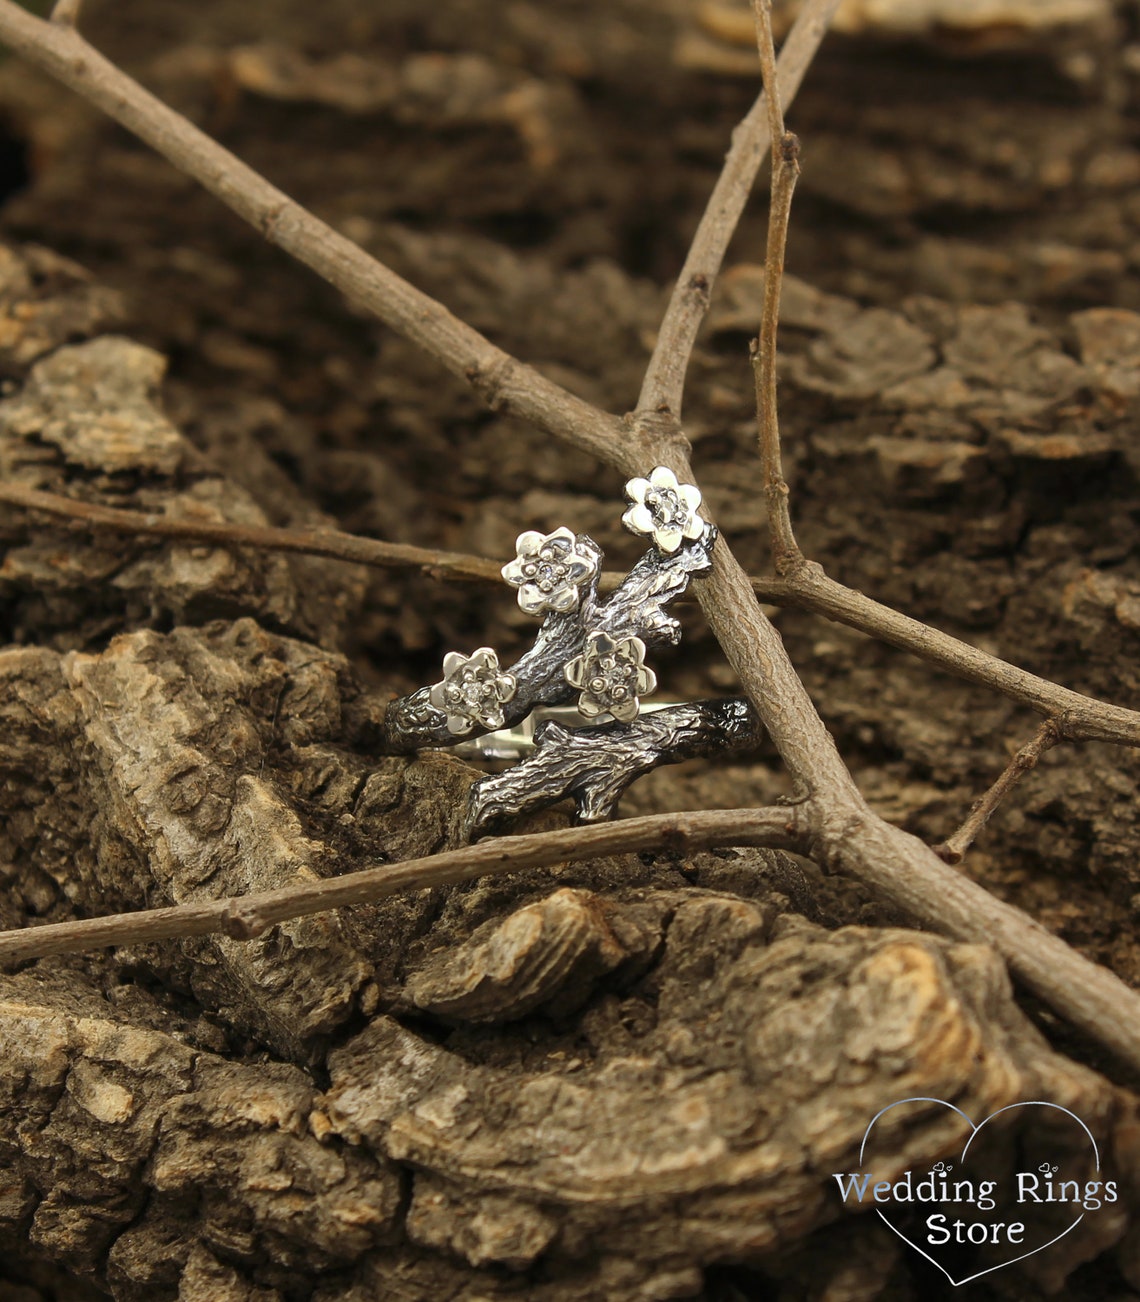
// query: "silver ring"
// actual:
[[588, 663], [518, 742]]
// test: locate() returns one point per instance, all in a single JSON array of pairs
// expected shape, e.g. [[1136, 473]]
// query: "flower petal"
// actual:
[[484, 657], [573, 670], [638, 518], [561, 535], [435, 696], [636, 489], [690, 494], [636, 647], [626, 711], [531, 599], [564, 599], [663, 477], [513, 573], [493, 718], [579, 568], [452, 662], [505, 685], [456, 723], [646, 681], [695, 527], [528, 544], [667, 537], [588, 706]]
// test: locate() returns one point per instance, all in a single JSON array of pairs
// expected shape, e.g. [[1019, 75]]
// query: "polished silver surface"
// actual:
[[588, 659], [612, 676], [473, 691]]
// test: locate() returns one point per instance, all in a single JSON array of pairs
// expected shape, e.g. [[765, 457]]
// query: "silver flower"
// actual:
[[611, 675], [663, 509], [474, 690], [550, 568]]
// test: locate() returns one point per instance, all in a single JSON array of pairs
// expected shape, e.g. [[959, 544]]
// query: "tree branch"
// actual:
[[66, 12], [502, 381], [249, 916], [840, 829], [786, 554], [1078, 717], [664, 382], [953, 849], [310, 542]]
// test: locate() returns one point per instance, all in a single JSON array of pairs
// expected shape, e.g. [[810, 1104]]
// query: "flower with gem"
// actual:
[[611, 675], [474, 690], [663, 509], [550, 569]]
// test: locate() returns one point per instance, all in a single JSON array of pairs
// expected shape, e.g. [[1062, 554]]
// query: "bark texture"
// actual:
[[631, 1078]]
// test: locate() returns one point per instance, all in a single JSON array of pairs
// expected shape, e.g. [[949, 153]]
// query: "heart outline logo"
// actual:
[[974, 1132]]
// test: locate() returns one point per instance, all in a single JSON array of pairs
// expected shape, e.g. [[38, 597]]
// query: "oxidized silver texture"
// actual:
[[589, 652]]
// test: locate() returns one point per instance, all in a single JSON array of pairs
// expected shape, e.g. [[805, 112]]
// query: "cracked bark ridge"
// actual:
[[549, 955], [47, 300], [169, 739], [636, 609], [131, 1157], [700, 1117], [595, 765]]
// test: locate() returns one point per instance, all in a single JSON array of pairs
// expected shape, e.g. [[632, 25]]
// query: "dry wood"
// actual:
[[248, 916], [664, 383], [310, 542], [598, 1081], [785, 169], [66, 12], [954, 848], [841, 830]]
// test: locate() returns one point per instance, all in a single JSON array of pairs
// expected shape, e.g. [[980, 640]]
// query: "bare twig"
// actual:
[[250, 916], [1078, 717], [785, 169], [664, 383], [953, 849], [766, 48], [840, 829], [66, 12], [502, 381], [311, 542]]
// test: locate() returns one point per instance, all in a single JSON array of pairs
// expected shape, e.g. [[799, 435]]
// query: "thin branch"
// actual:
[[502, 381], [66, 12], [664, 383], [842, 830], [786, 554], [1078, 717], [311, 542], [249, 916], [766, 48], [953, 849]]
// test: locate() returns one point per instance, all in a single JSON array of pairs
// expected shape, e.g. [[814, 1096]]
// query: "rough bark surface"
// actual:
[[630, 1078]]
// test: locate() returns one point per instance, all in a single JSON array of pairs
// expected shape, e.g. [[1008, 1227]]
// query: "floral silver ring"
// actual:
[[588, 663]]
